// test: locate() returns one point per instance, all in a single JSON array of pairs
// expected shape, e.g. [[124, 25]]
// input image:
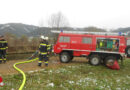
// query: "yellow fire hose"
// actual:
[[24, 76]]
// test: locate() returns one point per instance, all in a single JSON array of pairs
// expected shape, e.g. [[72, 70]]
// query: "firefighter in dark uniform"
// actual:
[[43, 51], [3, 47]]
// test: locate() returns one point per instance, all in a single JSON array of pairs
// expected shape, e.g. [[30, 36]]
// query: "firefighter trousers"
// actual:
[[41, 58], [2, 56]]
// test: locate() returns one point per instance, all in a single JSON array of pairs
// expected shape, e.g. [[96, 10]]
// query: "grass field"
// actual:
[[79, 76]]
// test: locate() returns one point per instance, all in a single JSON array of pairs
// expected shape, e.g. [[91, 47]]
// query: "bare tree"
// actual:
[[58, 20]]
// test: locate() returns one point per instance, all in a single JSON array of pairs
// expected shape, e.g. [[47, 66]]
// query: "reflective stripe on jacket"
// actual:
[[48, 47], [43, 53], [43, 48], [3, 44], [3, 41], [3, 48]]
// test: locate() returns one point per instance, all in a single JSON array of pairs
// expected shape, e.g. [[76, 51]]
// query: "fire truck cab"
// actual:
[[97, 48]]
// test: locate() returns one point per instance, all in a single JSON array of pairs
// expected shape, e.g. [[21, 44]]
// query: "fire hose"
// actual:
[[23, 74]]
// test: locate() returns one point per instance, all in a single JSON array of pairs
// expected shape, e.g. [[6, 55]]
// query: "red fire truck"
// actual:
[[97, 47]]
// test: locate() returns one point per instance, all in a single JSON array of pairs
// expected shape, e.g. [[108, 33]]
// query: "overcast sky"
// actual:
[[107, 14]]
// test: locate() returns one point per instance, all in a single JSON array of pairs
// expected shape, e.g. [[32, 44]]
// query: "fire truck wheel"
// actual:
[[128, 51], [65, 57], [109, 61], [94, 60]]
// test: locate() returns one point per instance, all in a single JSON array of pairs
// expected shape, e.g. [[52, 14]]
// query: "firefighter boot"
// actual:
[[46, 64], [4, 61], [39, 64]]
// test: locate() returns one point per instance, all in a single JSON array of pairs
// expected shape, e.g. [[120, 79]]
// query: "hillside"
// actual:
[[17, 28]]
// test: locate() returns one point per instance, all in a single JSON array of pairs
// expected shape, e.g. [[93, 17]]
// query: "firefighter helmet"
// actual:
[[42, 37], [46, 38]]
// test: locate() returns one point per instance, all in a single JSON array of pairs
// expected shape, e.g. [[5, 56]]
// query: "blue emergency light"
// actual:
[[120, 33], [61, 31]]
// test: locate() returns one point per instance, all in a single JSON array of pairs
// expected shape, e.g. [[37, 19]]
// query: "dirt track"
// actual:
[[7, 68]]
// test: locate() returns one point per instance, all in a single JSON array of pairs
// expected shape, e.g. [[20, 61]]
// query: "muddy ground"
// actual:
[[54, 62]]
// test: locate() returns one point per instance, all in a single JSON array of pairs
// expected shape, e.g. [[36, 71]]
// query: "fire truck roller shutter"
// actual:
[[128, 51]]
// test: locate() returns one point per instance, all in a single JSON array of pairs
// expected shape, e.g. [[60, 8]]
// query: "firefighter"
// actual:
[[3, 48], [43, 51]]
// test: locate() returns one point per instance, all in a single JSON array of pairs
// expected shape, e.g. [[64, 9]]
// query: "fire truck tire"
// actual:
[[128, 51], [65, 57], [109, 61], [94, 60]]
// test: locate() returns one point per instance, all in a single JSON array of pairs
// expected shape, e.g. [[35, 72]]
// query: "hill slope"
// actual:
[[17, 28]]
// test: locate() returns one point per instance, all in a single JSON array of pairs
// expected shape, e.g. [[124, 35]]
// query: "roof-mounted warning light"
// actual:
[[61, 31], [120, 33]]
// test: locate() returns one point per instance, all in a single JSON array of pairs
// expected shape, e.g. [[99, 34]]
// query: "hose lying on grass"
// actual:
[[24, 76]]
